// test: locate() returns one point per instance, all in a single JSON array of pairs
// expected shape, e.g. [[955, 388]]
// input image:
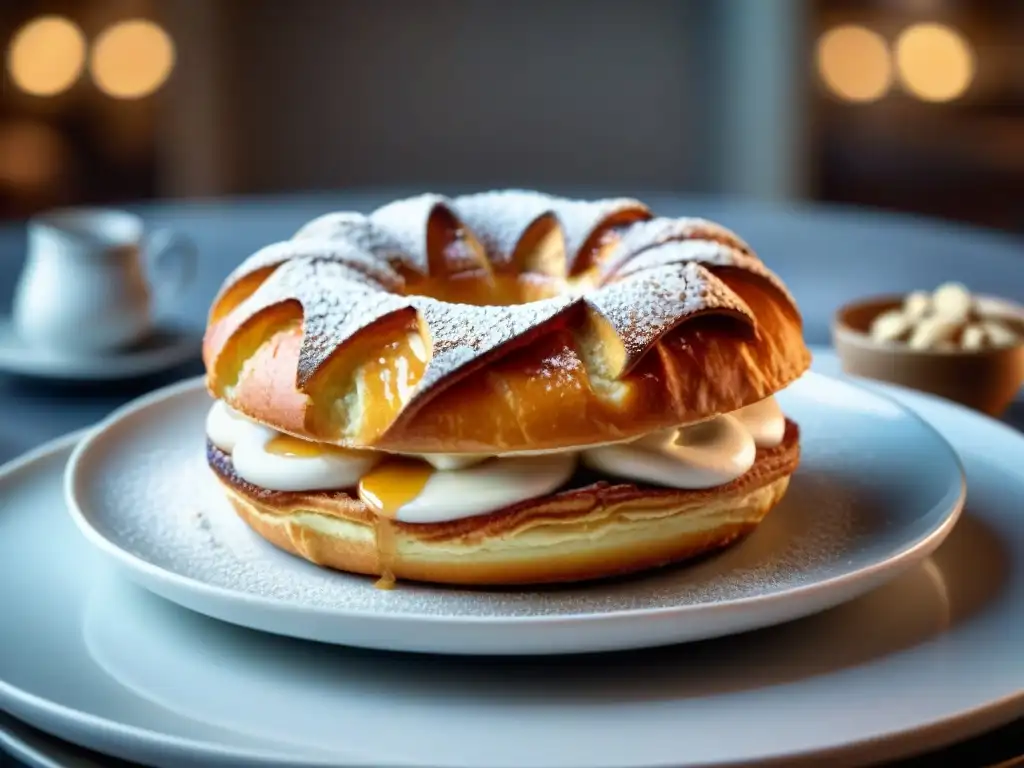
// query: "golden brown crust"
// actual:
[[592, 531], [657, 324]]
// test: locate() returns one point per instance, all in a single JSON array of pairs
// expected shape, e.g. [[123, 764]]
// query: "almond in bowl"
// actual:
[[948, 342]]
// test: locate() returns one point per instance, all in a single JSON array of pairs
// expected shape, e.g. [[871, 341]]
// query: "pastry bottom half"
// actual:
[[595, 527]]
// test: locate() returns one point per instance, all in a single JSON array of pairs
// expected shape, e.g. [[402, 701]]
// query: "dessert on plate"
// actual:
[[502, 388]]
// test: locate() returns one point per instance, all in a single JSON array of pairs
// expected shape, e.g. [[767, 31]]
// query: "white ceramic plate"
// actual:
[[48, 574], [38, 750], [166, 348], [876, 492], [931, 657]]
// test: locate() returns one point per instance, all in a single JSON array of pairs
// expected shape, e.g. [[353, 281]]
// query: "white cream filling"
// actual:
[[447, 461], [765, 421], [487, 487], [704, 455], [223, 425], [324, 472]]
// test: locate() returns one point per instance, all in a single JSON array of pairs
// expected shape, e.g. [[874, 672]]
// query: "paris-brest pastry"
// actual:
[[502, 388]]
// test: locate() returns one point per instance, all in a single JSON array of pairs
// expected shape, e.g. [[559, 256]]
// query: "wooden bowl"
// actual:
[[986, 380]]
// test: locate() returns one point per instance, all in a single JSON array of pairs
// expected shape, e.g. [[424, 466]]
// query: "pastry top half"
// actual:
[[500, 323]]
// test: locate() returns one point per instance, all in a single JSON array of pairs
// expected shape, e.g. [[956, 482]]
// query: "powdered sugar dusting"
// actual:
[[707, 252], [337, 302], [500, 219], [333, 226], [344, 253], [828, 524], [362, 234], [341, 269], [336, 317], [581, 218], [646, 305], [462, 334], [657, 231], [406, 222], [273, 255]]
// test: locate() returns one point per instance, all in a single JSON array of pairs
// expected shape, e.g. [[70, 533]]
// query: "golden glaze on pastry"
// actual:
[[497, 323]]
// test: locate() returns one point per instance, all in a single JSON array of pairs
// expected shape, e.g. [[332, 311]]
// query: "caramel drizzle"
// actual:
[[294, 447], [384, 536], [385, 490]]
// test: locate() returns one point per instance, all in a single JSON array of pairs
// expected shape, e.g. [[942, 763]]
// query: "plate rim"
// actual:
[[911, 552], [894, 744], [13, 741], [184, 347], [35, 709]]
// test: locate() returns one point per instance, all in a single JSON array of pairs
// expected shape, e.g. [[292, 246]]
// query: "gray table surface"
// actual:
[[826, 255]]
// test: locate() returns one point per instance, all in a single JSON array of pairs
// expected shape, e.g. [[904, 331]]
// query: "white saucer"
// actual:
[[931, 657], [876, 492], [166, 348]]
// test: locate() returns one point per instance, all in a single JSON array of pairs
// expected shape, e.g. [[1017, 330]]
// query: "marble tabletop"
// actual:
[[826, 255]]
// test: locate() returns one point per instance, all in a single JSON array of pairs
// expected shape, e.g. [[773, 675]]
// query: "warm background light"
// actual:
[[46, 56], [854, 63], [934, 62], [131, 59], [31, 156]]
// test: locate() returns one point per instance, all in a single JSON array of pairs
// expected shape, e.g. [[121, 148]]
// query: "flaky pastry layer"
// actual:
[[599, 529], [500, 323]]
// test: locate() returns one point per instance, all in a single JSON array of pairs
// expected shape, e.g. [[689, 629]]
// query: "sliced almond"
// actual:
[[974, 337], [890, 326], [952, 301], [999, 335], [931, 331], [917, 304]]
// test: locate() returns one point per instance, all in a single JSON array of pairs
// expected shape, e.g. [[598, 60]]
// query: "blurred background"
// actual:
[[912, 105]]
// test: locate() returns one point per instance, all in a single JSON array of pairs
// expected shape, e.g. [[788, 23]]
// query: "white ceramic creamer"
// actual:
[[93, 277]]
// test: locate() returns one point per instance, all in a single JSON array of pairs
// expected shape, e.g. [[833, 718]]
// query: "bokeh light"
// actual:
[[934, 62], [31, 156], [854, 63], [46, 56], [132, 59]]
